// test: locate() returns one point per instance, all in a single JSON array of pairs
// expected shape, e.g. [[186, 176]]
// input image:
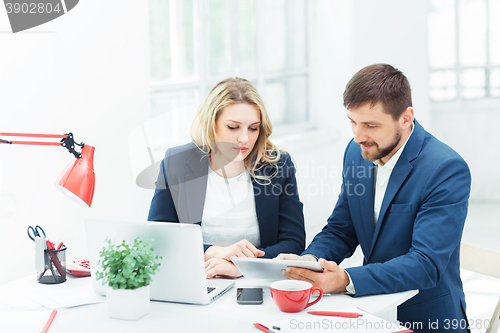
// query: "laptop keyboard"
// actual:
[[210, 289]]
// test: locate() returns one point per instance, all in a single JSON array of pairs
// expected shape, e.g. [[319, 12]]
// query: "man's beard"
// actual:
[[380, 153]]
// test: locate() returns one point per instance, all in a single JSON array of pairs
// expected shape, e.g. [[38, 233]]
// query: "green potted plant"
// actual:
[[127, 271]]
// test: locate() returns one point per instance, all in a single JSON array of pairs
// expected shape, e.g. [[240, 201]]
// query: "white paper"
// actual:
[[10, 298], [28, 293], [66, 295], [24, 321], [13, 299]]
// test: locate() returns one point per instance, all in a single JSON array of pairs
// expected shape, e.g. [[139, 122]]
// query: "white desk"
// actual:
[[222, 315]]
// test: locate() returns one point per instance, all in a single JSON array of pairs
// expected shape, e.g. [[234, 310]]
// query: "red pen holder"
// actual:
[[54, 267]]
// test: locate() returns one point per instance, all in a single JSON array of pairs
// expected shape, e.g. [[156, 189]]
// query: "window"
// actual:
[[464, 49], [197, 43]]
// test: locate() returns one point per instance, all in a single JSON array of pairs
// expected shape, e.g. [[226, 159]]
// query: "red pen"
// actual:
[[336, 314], [50, 245], [263, 328], [49, 322], [59, 246], [54, 259]]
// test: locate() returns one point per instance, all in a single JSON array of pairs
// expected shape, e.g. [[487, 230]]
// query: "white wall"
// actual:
[[347, 36], [470, 127], [86, 72], [395, 32]]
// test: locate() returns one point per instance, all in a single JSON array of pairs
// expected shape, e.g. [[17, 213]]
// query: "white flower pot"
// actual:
[[127, 303]]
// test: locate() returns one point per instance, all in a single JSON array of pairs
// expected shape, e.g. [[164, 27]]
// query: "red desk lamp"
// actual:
[[78, 179]]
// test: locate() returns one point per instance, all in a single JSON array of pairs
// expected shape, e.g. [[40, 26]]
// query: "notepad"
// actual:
[[310, 323]]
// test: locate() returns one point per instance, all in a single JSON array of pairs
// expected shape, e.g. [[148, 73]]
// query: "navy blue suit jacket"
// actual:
[[181, 188], [416, 241]]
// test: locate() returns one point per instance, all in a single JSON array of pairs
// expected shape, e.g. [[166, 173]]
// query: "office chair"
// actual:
[[485, 262]]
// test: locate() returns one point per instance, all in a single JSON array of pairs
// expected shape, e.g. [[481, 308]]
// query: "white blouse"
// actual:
[[229, 213]]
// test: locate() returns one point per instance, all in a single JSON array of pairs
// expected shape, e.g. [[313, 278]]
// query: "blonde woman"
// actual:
[[232, 181]]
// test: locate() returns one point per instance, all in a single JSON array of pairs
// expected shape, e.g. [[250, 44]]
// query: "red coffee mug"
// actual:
[[293, 295]]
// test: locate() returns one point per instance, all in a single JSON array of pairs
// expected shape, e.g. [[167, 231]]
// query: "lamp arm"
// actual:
[[67, 141]]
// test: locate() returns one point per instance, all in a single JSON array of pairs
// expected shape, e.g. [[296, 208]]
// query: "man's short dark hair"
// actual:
[[379, 83]]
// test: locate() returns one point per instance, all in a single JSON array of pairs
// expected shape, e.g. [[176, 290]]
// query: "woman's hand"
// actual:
[[218, 266], [241, 249]]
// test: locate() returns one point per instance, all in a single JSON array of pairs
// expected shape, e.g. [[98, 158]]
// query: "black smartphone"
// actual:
[[249, 296]]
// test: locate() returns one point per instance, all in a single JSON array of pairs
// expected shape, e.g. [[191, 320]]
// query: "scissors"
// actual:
[[35, 232]]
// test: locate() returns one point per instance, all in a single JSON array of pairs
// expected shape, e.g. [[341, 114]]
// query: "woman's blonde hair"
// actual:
[[228, 92]]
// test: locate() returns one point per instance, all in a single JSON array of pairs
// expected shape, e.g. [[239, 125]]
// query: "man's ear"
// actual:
[[407, 117]]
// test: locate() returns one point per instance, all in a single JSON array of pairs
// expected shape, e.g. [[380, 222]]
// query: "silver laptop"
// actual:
[[181, 277]]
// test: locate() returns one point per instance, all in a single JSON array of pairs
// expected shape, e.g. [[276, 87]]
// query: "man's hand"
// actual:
[[241, 249], [218, 266], [332, 280], [289, 256]]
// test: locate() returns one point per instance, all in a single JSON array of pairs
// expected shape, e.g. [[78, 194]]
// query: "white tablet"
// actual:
[[262, 268]]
